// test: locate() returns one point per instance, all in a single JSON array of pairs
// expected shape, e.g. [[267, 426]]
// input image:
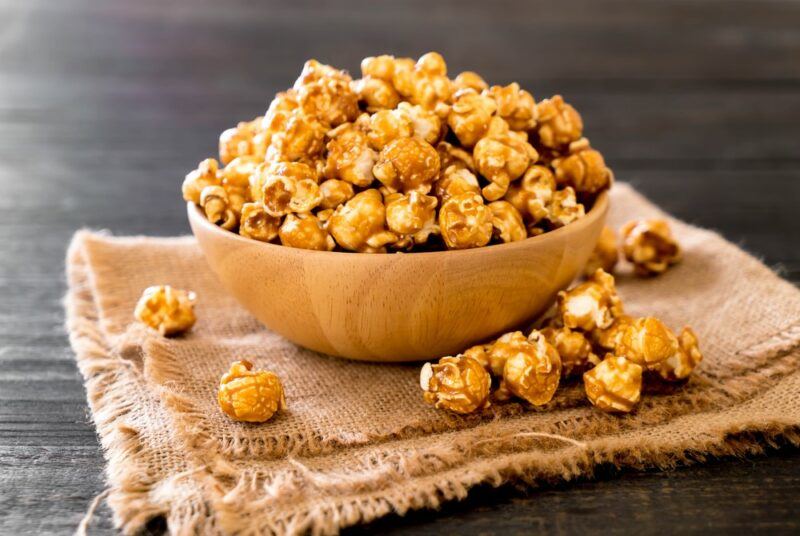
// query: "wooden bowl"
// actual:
[[398, 307]]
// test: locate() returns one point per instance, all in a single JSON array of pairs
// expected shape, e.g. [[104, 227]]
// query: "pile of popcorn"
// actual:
[[589, 322], [401, 159]]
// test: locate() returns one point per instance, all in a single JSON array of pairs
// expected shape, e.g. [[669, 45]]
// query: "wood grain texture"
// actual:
[[104, 106], [398, 307]]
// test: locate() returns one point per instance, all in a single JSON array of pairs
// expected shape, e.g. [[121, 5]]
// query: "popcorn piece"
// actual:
[[329, 100], [278, 114], [608, 338], [605, 253], [534, 372], [237, 173], [350, 157], [532, 195], [458, 384], [288, 187], [169, 310], [376, 94], [431, 85], [507, 222], [502, 156], [681, 364], [647, 342], [403, 77], [650, 246], [470, 116], [615, 385], [407, 164], [314, 71], [465, 222], [257, 224], [206, 174], [305, 231], [515, 105], [558, 123], [456, 180], [508, 345], [564, 208], [238, 141], [380, 67], [454, 156], [215, 203], [480, 353], [427, 126], [574, 349], [358, 225], [335, 192], [584, 169], [386, 126], [250, 395], [471, 80], [302, 139], [412, 215], [590, 305]]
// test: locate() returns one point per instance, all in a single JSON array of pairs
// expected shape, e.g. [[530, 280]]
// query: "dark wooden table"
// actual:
[[105, 105]]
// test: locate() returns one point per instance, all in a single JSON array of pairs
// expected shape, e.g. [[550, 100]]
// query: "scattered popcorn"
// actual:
[[650, 246], [250, 395], [458, 384], [615, 385], [681, 364], [590, 305], [166, 309], [533, 373]]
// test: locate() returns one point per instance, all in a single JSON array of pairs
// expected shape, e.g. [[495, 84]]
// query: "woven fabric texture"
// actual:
[[357, 442]]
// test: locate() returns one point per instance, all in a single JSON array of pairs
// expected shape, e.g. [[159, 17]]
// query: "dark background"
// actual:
[[105, 105]]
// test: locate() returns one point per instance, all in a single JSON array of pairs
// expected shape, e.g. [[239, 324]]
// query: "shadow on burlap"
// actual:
[[357, 442]]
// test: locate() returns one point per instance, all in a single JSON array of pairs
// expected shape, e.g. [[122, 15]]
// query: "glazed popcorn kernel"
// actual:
[[426, 125], [386, 126], [574, 349], [470, 116], [206, 174], [257, 224], [302, 138], [407, 164], [650, 246], [331, 100], [515, 105], [605, 254], [238, 141], [681, 364], [431, 85], [314, 71], [217, 207], [533, 374], [238, 171], [166, 309], [465, 222], [584, 169], [412, 215], [564, 208], [458, 384], [558, 123], [532, 194], [358, 225], [471, 80], [455, 180], [497, 353], [614, 385], [647, 342], [376, 94], [334, 193], [250, 395], [590, 305], [381, 67], [350, 158], [403, 76], [501, 157], [507, 222], [608, 338], [305, 231], [289, 187]]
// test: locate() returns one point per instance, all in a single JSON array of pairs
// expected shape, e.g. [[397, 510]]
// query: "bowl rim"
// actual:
[[599, 208]]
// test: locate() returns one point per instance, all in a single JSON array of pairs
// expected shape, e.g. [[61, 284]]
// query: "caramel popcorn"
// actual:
[[407, 164], [650, 246], [533, 373], [574, 349], [608, 338], [590, 305], [515, 105], [494, 356], [605, 253], [507, 222], [646, 341], [169, 310], [585, 170], [305, 231], [217, 208], [358, 225], [501, 157], [250, 395], [558, 123], [681, 364], [532, 195], [465, 222], [350, 158], [615, 385], [470, 116], [458, 384], [334, 193], [257, 224], [522, 166]]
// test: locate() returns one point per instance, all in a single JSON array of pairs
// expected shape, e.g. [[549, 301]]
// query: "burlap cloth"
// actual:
[[357, 442]]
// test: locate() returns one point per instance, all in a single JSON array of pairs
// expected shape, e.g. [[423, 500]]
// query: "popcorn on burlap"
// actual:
[[357, 441]]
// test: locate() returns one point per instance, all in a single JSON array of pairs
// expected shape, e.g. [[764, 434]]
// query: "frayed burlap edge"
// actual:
[[208, 494]]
